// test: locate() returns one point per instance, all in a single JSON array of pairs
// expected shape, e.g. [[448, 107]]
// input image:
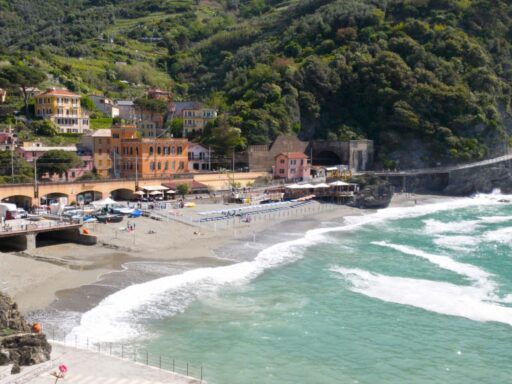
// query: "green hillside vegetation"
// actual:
[[425, 76]]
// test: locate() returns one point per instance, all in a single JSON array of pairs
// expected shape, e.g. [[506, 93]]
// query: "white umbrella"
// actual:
[[293, 186], [322, 185], [306, 186], [140, 193], [156, 193], [338, 184]]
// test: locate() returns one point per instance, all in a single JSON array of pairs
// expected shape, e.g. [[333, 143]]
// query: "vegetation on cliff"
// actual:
[[427, 75]]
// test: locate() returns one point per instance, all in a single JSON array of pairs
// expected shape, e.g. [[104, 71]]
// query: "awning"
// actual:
[[156, 193], [339, 184], [293, 186], [306, 186], [322, 185], [155, 188]]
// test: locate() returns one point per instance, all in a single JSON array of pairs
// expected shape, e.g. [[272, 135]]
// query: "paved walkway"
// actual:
[[85, 367]]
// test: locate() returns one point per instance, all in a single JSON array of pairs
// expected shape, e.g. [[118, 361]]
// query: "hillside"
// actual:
[[428, 80]]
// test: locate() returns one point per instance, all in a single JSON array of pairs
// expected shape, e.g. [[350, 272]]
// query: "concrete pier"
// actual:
[[25, 236]]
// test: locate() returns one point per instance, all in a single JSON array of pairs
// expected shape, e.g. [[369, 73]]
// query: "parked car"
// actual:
[[21, 213]]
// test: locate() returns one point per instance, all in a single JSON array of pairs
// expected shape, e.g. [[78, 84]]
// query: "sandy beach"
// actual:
[[36, 280]]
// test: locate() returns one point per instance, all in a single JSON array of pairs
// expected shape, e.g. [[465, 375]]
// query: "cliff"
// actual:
[[18, 344]]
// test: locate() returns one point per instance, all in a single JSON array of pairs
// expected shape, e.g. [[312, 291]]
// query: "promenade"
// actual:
[[86, 367]]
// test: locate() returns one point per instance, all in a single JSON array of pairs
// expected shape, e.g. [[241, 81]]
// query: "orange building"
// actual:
[[147, 157]]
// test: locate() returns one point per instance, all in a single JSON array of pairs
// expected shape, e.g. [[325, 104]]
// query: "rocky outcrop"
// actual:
[[18, 345], [373, 193]]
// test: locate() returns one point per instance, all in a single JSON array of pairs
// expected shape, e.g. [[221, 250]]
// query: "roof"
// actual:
[[45, 149], [195, 185], [293, 155], [179, 106], [102, 133], [59, 92], [125, 103]]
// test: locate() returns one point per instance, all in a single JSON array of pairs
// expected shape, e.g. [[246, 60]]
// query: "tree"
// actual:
[[58, 162], [12, 161], [224, 138], [183, 189], [22, 77], [44, 128]]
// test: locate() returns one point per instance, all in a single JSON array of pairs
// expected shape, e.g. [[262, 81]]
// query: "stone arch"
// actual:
[[327, 158], [21, 201], [52, 197], [88, 196], [122, 194]]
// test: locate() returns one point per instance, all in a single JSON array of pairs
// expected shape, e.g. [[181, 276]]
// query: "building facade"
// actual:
[[195, 120], [126, 109], [199, 157], [105, 105], [292, 166], [32, 151], [135, 156], [99, 144], [63, 108]]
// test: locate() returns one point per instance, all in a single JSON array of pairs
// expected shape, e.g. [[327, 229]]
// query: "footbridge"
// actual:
[[462, 179]]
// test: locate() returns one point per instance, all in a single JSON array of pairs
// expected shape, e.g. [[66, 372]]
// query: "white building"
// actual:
[[105, 105], [199, 157]]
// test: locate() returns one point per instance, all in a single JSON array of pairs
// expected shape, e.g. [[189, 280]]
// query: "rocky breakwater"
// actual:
[[373, 192], [19, 344]]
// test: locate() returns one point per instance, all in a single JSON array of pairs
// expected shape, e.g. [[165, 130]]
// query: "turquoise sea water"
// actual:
[[416, 295]]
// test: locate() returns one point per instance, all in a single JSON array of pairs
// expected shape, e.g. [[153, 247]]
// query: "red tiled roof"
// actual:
[[195, 185], [59, 92], [293, 155]]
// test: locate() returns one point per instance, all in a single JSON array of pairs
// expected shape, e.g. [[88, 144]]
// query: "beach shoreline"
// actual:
[[58, 272]]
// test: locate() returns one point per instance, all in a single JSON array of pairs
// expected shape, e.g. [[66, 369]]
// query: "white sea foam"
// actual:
[[495, 219], [476, 274], [117, 316], [471, 302], [457, 243], [503, 235], [435, 226]]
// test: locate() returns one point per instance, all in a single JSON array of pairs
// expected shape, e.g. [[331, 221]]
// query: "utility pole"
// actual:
[[36, 193], [136, 169], [12, 162], [233, 168], [209, 158]]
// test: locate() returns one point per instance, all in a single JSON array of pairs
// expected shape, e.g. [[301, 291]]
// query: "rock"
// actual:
[[17, 344], [373, 192], [15, 369]]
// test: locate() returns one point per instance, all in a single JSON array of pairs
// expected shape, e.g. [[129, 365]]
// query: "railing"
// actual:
[[34, 226], [129, 352]]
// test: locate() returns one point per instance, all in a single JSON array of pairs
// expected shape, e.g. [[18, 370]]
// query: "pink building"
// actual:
[[31, 151], [7, 141], [292, 166]]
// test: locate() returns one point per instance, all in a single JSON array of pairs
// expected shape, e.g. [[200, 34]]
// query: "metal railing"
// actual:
[[129, 352]]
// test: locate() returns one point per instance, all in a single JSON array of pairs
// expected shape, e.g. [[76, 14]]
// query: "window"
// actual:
[[150, 150], [173, 164], [131, 150], [159, 165], [302, 162], [179, 150], [281, 171], [115, 135], [152, 166], [73, 175], [182, 165], [282, 161], [137, 150], [166, 165], [159, 150]]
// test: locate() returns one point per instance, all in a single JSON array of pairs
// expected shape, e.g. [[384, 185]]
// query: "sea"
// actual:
[[419, 294]]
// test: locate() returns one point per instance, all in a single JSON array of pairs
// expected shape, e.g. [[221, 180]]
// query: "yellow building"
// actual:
[[147, 157], [63, 108], [195, 120], [99, 143]]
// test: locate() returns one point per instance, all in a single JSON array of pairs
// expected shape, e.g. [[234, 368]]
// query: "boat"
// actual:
[[122, 210], [135, 213], [109, 218]]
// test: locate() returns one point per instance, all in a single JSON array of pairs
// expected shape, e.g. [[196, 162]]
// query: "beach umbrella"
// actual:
[[322, 185], [140, 193]]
